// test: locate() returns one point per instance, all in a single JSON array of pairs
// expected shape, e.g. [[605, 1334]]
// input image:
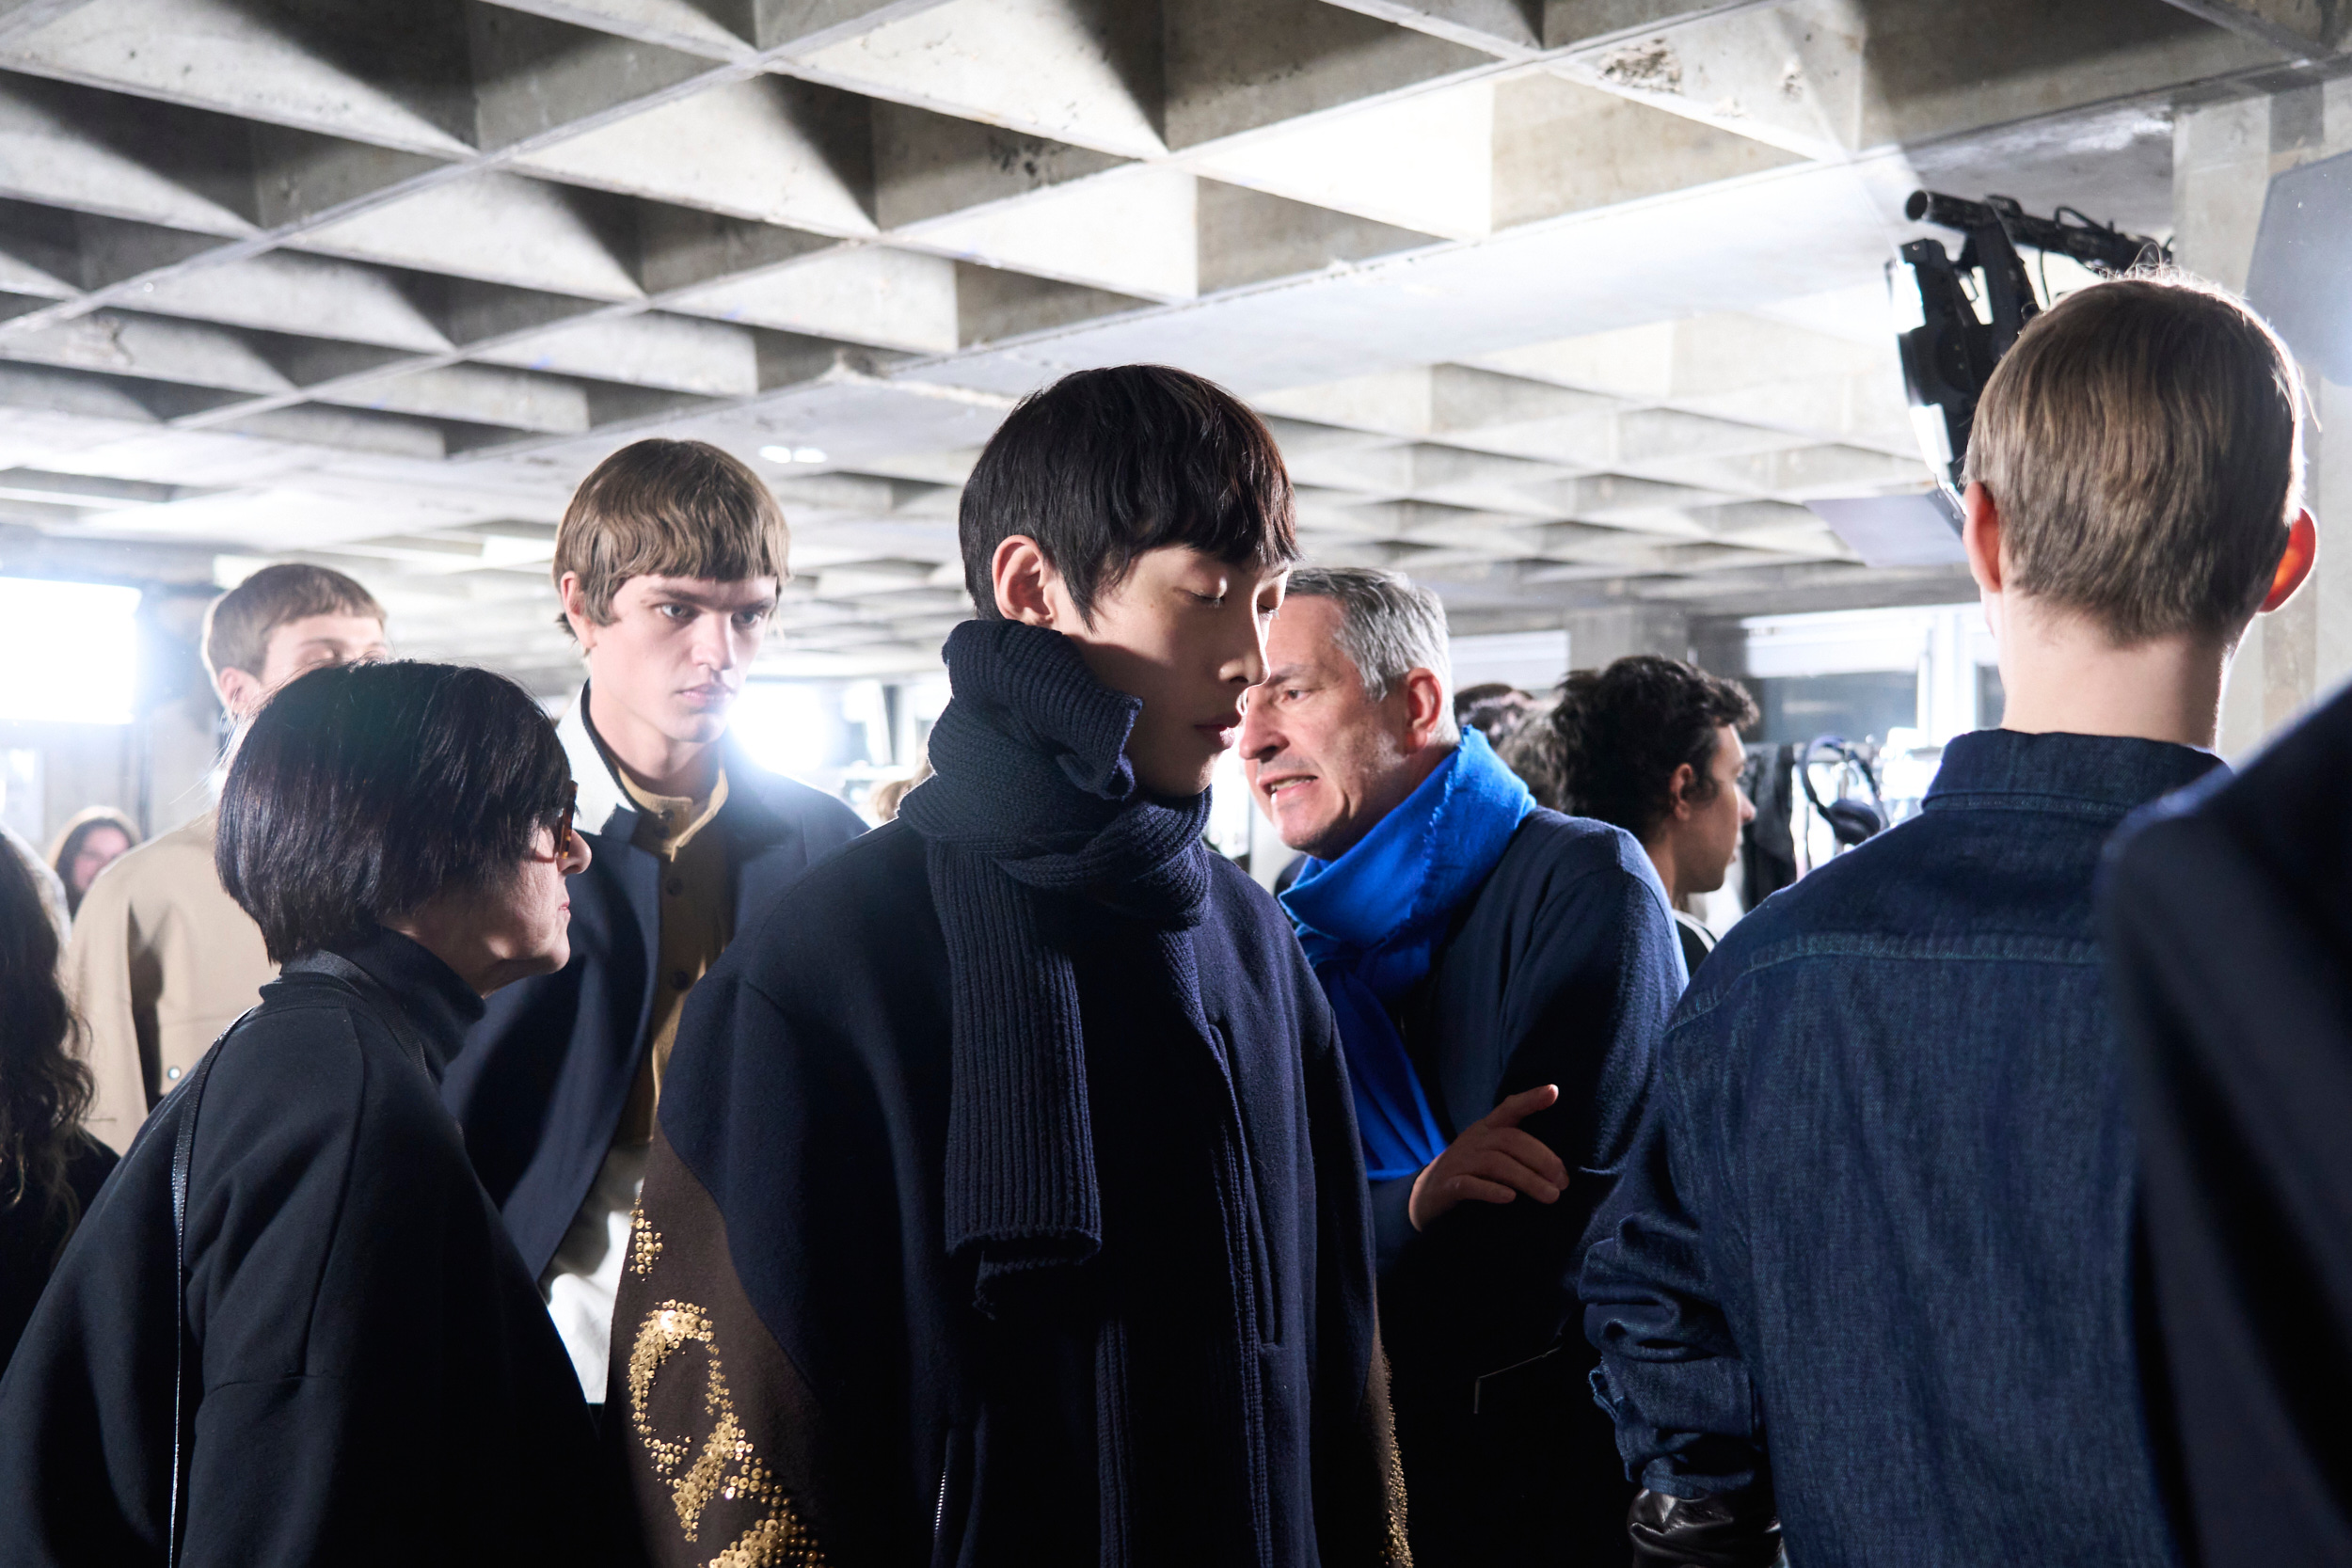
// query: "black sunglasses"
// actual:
[[564, 825]]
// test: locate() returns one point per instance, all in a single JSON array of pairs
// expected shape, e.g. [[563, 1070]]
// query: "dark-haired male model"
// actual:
[[1499, 972], [667, 562], [1006, 1207]]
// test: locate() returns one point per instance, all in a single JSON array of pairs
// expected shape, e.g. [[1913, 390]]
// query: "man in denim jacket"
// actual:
[[1873, 1270]]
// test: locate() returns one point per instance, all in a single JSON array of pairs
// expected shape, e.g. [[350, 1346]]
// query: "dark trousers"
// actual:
[[1517, 1468]]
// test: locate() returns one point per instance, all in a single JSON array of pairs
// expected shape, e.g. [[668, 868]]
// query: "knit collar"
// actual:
[[1030, 772], [431, 995]]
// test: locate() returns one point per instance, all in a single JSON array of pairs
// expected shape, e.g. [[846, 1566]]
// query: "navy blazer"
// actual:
[[544, 1075]]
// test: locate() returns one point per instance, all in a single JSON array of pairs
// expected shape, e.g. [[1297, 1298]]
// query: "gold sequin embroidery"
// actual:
[[645, 1243], [726, 1466]]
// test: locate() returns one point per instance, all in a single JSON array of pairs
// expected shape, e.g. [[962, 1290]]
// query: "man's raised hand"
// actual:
[[1493, 1162]]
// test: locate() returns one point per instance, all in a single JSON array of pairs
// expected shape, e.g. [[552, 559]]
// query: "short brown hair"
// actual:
[[672, 509], [237, 625], [2144, 443]]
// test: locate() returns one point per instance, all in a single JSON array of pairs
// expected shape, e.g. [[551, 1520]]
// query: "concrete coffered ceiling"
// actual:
[[1555, 304]]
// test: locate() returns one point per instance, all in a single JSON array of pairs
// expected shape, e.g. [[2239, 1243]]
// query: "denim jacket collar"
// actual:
[[2088, 775]]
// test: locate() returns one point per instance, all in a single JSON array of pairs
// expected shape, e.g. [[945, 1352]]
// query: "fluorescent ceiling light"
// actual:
[[69, 652], [792, 454]]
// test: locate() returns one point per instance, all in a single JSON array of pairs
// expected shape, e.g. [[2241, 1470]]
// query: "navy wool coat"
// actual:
[[544, 1075], [791, 1313], [1561, 968]]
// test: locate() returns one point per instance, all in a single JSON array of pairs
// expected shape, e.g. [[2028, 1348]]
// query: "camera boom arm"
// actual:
[[1949, 359]]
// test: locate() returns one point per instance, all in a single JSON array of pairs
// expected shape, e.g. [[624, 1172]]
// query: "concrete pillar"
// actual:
[[1598, 638], [2224, 157]]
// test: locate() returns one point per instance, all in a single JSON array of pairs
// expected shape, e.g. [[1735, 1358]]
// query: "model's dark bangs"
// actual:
[[1104, 466]]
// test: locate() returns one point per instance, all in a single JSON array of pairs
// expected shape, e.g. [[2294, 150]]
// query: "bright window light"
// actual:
[[786, 726], [69, 652]]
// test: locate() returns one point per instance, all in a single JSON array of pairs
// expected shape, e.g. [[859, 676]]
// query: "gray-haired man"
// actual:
[[1500, 973]]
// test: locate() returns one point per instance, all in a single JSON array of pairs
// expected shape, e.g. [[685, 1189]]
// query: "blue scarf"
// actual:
[[1370, 922]]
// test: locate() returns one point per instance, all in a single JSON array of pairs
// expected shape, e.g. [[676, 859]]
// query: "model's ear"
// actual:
[[1980, 536], [241, 692], [575, 599], [2303, 551], [1027, 586], [1678, 790]]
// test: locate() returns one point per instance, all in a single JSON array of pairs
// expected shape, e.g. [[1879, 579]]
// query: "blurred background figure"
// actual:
[[1494, 709], [885, 799], [49, 1167], [161, 958], [94, 840], [48, 892], [1652, 745]]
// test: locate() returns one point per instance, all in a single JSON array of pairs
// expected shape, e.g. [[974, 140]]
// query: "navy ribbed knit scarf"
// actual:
[[1033, 793]]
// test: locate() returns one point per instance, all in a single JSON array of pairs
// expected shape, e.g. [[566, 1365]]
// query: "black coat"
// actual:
[[33, 1232], [375, 1378], [546, 1074], [1561, 968], [2229, 940], [792, 1257]]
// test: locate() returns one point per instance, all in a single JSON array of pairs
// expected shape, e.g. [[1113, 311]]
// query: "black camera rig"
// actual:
[[1947, 359]]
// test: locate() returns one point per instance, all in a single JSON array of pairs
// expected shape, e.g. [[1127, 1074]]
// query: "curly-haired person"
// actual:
[[1652, 745]]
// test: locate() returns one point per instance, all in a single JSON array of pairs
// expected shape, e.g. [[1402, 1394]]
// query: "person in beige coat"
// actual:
[[161, 958]]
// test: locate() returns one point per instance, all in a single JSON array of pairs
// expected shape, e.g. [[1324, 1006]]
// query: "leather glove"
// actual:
[[1737, 1530]]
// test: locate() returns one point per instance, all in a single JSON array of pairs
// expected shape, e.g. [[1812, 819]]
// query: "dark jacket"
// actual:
[[375, 1380], [2230, 952], [1561, 968], [33, 1231], [792, 1253], [1876, 1241], [546, 1074]]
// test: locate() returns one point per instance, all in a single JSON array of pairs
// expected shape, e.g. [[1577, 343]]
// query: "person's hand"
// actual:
[[1493, 1162]]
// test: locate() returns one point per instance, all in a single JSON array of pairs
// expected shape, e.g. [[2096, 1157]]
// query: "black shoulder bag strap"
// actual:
[[182, 1407], [390, 1015]]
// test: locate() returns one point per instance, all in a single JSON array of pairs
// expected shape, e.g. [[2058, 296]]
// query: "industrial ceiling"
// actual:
[[1555, 304]]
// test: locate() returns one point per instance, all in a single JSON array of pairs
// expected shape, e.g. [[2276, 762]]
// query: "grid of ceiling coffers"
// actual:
[[376, 282]]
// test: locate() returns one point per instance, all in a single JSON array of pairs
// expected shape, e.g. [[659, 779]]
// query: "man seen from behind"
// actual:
[[1874, 1268]]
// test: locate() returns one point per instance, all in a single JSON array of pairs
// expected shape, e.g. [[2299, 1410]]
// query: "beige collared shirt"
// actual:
[[161, 961], [698, 918]]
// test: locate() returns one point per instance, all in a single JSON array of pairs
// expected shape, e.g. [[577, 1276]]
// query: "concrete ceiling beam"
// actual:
[[868, 294], [1085, 72], [653, 349], [2300, 29], [1133, 231], [497, 228], [76, 148], [1509, 29], [765, 148]]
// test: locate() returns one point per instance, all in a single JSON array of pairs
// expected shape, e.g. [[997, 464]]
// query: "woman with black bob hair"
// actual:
[[337, 1356]]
